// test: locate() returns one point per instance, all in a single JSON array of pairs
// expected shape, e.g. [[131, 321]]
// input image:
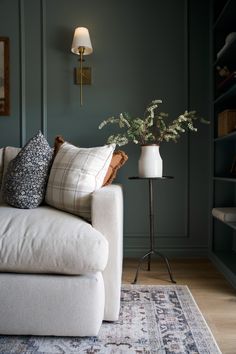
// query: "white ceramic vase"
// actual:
[[150, 162]]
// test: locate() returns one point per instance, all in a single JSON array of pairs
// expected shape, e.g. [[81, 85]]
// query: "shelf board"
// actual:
[[230, 224], [225, 179], [228, 137], [230, 93]]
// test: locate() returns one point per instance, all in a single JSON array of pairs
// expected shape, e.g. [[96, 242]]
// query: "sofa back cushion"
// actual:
[[75, 174], [1, 165], [10, 152], [6, 155], [26, 175]]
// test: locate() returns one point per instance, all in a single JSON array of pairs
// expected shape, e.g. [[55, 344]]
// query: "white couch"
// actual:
[[60, 275]]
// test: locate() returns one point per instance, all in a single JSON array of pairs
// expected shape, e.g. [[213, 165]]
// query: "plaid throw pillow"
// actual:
[[75, 174]]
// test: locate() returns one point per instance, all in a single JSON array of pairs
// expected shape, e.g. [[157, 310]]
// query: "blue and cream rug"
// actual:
[[156, 319]]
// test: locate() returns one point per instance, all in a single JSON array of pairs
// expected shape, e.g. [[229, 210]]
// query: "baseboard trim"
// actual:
[[227, 273], [169, 252]]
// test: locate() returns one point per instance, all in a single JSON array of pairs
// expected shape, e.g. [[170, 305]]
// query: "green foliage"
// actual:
[[152, 128]]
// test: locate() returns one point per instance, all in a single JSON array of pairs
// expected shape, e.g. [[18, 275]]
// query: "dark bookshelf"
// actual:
[[222, 246]]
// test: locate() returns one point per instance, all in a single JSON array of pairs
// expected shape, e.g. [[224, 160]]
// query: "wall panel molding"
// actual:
[[43, 69], [186, 227], [44, 97], [187, 95], [22, 85], [135, 242]]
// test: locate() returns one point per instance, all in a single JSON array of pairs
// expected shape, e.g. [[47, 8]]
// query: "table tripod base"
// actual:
[[148, 254]]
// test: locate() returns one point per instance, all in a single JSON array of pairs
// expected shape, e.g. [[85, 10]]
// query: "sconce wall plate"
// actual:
[[86, 76]]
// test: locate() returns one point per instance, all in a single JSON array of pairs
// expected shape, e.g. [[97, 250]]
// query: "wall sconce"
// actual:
[[81, 46]]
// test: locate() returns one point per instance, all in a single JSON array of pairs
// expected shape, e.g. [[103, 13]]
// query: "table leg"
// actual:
[[148, 254], [167, 265], [149, 262], [151, 222], [152, 250]]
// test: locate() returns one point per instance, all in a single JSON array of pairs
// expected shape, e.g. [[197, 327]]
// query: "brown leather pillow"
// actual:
[[59, 140], [118, 159]]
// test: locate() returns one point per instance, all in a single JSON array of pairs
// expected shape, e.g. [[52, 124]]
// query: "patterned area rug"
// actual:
[[156, 319]]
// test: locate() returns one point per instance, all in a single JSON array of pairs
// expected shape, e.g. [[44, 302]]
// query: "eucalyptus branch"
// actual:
[[152, 128]]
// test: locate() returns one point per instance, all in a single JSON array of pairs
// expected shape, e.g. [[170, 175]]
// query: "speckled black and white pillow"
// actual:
[[25, 180]]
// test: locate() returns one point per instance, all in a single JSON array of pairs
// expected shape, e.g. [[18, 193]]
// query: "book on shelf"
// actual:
[[226, 122], [225, 214], [227, 82]]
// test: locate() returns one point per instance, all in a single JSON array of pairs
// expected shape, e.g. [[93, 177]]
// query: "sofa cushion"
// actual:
[[6, 155], [1, 165], [75, 174], [118, 160], [1, 170], [46, 240], [10, 153], [24, 182], [58, 141]]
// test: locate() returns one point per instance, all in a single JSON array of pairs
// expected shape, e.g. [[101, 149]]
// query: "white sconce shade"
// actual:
[[81, 45], [81, 39]]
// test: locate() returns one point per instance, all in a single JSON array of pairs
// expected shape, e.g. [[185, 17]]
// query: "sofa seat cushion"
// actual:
[[46, 240]]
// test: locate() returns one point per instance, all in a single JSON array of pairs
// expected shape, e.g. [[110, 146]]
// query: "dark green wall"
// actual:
[[142, 51]]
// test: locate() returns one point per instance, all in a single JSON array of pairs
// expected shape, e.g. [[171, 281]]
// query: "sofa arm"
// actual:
[[107, 217]]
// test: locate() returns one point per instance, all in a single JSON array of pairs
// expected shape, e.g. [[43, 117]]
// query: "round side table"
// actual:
[[152, 250]]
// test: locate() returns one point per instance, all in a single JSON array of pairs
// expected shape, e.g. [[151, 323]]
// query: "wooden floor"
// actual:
[[214, 295]]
